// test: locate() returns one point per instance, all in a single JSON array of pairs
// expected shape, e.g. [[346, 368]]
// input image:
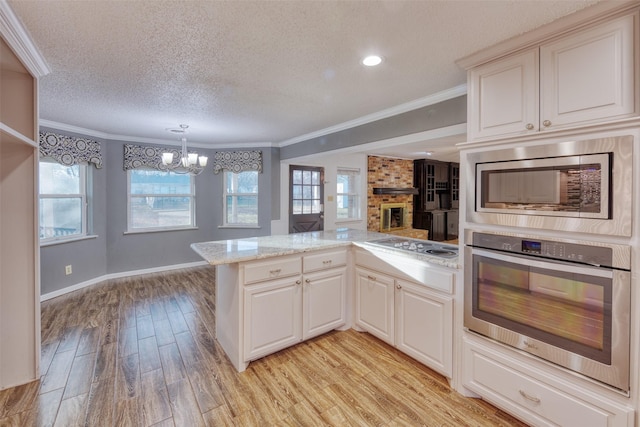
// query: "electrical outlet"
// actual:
[[68, 270]]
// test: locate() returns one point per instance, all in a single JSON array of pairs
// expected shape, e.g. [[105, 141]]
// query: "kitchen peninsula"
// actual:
[[276, 291]]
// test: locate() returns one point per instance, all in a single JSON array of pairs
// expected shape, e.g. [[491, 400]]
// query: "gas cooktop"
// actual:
[[427, 247]]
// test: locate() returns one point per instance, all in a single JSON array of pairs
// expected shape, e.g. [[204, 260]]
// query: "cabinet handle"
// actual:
[[307, 280], [275, 271], [398, 287], [546, 123], [371, 278], [298, 282], [530, 126], [327, 262], [528, 397]]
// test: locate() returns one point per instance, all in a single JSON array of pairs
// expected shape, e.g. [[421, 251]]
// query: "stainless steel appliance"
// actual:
[[426, 247], [581, 186], [567, 302]]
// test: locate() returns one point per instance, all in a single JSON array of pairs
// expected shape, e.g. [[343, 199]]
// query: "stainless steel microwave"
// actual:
[[582, 185]]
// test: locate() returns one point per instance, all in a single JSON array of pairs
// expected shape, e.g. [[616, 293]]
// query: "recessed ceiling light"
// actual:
[[372, 60]]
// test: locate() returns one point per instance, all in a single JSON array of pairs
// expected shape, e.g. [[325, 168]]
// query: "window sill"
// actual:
[[240, 226], [159, 230], [71, 240], [348, 221]]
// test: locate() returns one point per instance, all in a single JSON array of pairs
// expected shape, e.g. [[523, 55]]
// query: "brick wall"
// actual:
[[389, 172]]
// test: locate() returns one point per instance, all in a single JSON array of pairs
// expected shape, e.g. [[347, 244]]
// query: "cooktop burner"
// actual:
[[427, 247]]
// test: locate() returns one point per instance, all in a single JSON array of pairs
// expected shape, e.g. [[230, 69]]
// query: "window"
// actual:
[[63, 201], [241, 198], [160, 200], [348, 194]]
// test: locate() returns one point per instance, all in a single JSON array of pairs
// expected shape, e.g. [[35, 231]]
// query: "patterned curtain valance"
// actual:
[[140, 156], [70, 150], [237, 161]]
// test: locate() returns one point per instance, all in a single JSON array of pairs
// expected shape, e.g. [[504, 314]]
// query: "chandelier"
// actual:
[[189, 163]]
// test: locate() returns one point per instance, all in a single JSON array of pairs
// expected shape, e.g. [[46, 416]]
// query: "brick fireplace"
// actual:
[[391, 173]]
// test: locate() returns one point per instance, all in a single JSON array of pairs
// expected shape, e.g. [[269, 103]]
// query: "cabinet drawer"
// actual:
[[273, 269], [531, 399], [324, 260]]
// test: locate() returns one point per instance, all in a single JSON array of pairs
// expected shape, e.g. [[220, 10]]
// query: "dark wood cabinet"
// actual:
[[438, 230], [452, 224], [425, 181], [454, 183], [435, 206]]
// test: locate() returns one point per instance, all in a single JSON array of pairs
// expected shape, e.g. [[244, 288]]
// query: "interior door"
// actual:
[[306, 195]]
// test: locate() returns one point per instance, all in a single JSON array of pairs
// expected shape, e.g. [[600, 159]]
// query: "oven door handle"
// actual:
[[546, 265]]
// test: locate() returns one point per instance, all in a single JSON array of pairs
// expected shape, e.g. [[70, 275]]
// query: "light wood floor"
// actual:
[[141, 351]]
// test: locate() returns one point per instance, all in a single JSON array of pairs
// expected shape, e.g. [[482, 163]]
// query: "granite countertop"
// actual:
[[238, 250]]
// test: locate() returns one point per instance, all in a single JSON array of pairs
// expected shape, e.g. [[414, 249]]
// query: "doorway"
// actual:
[[306, 195]]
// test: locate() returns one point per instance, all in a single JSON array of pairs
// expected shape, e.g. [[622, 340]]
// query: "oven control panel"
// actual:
[[587, 254]]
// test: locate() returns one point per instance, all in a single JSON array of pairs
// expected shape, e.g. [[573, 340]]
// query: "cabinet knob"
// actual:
[[546, 123], [307, 281], [398, 287], [530, 126], [298, 282]]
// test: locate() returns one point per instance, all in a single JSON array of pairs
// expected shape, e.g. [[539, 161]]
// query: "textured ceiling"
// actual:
[[256, 71]]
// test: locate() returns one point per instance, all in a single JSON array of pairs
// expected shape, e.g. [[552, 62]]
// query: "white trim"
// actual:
[[114, 137], [96, 280], [18, 39], [70, 240], [444, 95]]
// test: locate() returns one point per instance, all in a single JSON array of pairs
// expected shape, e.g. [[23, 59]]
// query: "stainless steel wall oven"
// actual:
[[577, 186], [566, 302]]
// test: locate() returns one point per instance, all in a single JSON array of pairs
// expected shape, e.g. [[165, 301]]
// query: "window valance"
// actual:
[[237, 161], [139, 156], [70, 150]]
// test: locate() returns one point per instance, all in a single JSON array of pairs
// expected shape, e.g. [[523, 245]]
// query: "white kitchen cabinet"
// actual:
[[424, 327], [273, 316], [584, 77], [503, 96], [19, 245], [414, 317], [324, 301], [537, 394], [290, 299], [375, 303]]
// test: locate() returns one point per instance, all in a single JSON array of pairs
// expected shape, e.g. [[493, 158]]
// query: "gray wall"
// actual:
[[446, 113], [115, 252]]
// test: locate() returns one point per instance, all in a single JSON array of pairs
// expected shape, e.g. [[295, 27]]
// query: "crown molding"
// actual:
[[142, 140], [20, 42], [444, 95]]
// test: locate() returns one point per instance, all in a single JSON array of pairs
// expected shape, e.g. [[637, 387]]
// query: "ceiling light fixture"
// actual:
[[189, 163], [372, 60]]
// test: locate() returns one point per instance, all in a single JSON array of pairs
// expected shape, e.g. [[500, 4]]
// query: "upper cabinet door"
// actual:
[[504, 96], [589, 76]]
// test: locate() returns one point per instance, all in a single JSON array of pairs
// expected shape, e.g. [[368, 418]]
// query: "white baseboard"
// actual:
[[94, 281]]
